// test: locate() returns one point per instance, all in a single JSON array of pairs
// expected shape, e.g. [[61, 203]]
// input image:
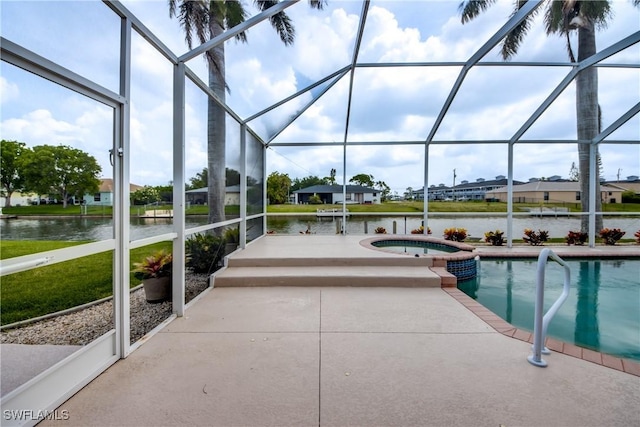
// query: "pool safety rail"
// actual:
[[541, 323]]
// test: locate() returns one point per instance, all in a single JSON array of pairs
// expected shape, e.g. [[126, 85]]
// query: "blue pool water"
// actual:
[[602, 312]]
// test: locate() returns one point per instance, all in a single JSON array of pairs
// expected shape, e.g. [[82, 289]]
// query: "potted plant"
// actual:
[[155, 273]]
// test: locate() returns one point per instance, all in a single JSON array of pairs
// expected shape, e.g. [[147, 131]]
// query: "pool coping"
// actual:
[[505, 328]]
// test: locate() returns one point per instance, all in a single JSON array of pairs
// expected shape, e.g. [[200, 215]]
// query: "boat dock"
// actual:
[[330, 213]]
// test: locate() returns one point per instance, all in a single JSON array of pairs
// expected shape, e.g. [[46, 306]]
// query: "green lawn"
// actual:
[[57, 210], [59, 286]]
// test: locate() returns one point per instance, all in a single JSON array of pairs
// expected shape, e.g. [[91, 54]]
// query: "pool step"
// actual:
[[412, 276]]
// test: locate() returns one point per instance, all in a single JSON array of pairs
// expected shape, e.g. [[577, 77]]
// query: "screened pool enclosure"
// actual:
[[400, 90]]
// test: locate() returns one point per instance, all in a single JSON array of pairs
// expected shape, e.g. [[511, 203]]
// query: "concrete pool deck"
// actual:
[[335, 356]]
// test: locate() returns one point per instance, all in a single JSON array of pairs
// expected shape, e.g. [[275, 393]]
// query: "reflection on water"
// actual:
[[602, 312], [587, 331]]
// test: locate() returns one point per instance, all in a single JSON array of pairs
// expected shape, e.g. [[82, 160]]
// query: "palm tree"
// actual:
[[561, 17], [207, 19]]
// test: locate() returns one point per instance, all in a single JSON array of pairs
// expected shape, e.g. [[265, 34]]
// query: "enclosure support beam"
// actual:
[[179, 196], [510, 196], [425, 194], [593, 177], [121, 165], [243, 186]]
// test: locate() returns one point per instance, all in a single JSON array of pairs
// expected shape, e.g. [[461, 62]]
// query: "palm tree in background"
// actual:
[[562, 17], [207, 19]]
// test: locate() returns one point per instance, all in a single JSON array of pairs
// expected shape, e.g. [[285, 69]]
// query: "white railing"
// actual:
[[6, 268], [541, 323]]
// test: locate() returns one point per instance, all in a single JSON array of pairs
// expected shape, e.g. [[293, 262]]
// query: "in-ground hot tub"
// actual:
[[458, 258]]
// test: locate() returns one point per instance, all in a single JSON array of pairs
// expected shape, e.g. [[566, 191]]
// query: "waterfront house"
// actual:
[[198, 196], [552, 192], [333, 194], [104, 196]]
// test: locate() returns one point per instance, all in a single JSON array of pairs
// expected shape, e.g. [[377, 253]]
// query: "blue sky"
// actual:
[[396, 104]]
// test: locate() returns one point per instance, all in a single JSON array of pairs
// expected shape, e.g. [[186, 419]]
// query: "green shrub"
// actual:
[[204, 252], [630, 196], [535, 239], [232, 235], [611, 235], [315, 200], [420, 230], [576, 238], [494, 237], [455, 234]]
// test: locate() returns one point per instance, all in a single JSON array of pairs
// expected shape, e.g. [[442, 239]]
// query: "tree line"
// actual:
[[60, 171]]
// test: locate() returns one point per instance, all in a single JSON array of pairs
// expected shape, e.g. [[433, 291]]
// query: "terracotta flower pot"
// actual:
[[157, 289]]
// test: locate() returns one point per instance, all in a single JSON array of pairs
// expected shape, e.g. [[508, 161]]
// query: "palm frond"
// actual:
[[469, 9], [280, 21], [192, 17], [235, 15], [597, 11], [319, 4], [284, 27], [554, 20], [513, 40]]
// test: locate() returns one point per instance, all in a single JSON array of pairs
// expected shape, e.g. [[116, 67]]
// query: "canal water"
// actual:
[[94, 229], [475, 226]]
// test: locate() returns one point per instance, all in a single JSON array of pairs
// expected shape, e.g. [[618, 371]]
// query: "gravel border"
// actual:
[[84, 326]]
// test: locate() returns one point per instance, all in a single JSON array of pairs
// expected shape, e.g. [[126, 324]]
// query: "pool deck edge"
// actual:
[[507, 329]]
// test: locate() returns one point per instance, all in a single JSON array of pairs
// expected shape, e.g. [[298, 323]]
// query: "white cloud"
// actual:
[[8, 91], [40, 127]]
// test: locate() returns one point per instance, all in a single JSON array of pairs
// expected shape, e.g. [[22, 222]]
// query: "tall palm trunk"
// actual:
[[588, 121], [216, 149]]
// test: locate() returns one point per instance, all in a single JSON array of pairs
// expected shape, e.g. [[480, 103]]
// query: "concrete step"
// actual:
[[328, 276], [390, 261]]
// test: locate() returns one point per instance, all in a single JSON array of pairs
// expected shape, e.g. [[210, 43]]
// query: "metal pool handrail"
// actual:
[[541, 323]]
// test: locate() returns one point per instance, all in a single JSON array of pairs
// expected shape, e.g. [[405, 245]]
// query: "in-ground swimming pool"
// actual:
[[602, 312]]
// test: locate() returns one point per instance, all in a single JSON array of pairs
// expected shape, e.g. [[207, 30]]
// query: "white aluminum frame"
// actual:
[[52, 387]]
